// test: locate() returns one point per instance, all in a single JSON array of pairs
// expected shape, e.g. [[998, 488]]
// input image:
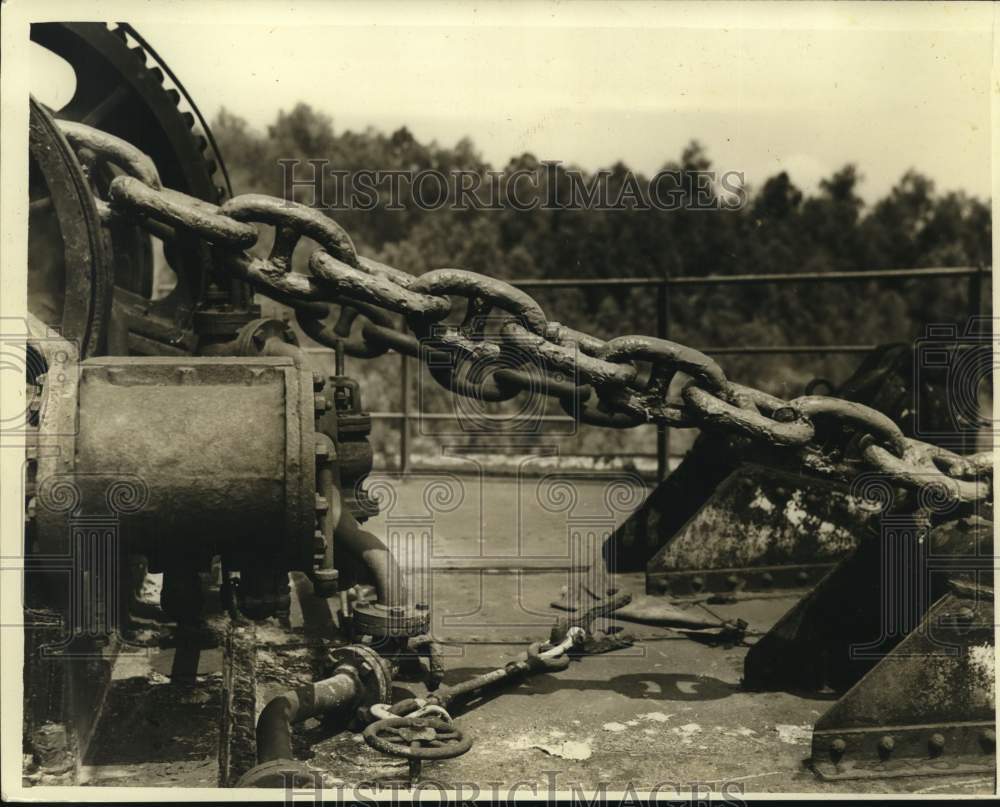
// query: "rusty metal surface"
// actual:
[[757, 521], [666, 704], [237, 744], [710, 399], [869, 603], [674, 500], [178, 433], [69, 269], [928, 708], [120, 87]]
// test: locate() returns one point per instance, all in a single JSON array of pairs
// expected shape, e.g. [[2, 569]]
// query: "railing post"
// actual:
[[970, 439], [976, 292], [662, 330], [404, 421]]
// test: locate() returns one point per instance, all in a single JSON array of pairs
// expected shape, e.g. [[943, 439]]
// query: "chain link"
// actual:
[[495, 357]]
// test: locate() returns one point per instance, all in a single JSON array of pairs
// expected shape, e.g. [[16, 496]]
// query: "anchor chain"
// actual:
[[505, 344]]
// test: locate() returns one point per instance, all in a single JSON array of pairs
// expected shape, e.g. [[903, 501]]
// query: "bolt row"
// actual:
[[935, 744]]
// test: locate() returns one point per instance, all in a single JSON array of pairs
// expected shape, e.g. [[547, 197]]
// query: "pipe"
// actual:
[[326, 484], [375, 555], [338, 694]]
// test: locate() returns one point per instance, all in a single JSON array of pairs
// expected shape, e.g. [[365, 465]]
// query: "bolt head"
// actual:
[[936, 742], [767, 578], [697, 583], [802, 576], [988, 739], [886, 744], [838, 746], [732, 581]]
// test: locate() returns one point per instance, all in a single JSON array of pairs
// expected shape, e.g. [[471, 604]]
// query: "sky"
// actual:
[[804, 88]]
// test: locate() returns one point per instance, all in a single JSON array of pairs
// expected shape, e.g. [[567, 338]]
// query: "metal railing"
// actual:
[[974, 274]]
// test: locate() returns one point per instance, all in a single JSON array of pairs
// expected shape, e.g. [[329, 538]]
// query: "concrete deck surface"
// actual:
[[668, 711]]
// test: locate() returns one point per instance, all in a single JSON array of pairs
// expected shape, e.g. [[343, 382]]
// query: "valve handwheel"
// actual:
[[417, 739]]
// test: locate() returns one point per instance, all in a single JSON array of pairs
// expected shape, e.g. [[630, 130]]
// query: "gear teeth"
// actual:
[[211, 165], [174, 96], [157, 74], [202, 143], [188, 119], [119, 32], [139, 54]]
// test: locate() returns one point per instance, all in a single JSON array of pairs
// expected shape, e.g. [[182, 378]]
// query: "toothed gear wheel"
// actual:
[[118, 92]]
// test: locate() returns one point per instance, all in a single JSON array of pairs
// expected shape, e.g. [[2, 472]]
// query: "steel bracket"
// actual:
[[899, 720], [761, 529]]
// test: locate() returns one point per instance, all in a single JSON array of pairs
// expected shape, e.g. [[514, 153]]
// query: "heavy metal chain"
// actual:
[[505, 344]]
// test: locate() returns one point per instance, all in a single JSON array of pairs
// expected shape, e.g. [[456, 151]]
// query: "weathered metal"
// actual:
[[927, 708], [760, 529], [345, 420], [417, 739], [358, 677], [179, 210], [293, 221], [654, 611], [70, 275], [64, 685], [253, 501], [382, 611], [178, 428], [674, 500], [122, 88], [710, 398], [109, 147], [237, 741], [870, 602]]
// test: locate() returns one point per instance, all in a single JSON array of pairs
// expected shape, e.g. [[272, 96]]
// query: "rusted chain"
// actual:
[[180, 210], [505, 344]]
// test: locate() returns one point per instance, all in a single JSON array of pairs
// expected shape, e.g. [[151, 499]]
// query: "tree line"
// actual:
[[779, 229]]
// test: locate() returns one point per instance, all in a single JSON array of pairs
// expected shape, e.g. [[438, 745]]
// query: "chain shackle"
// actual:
[[538, 663]]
